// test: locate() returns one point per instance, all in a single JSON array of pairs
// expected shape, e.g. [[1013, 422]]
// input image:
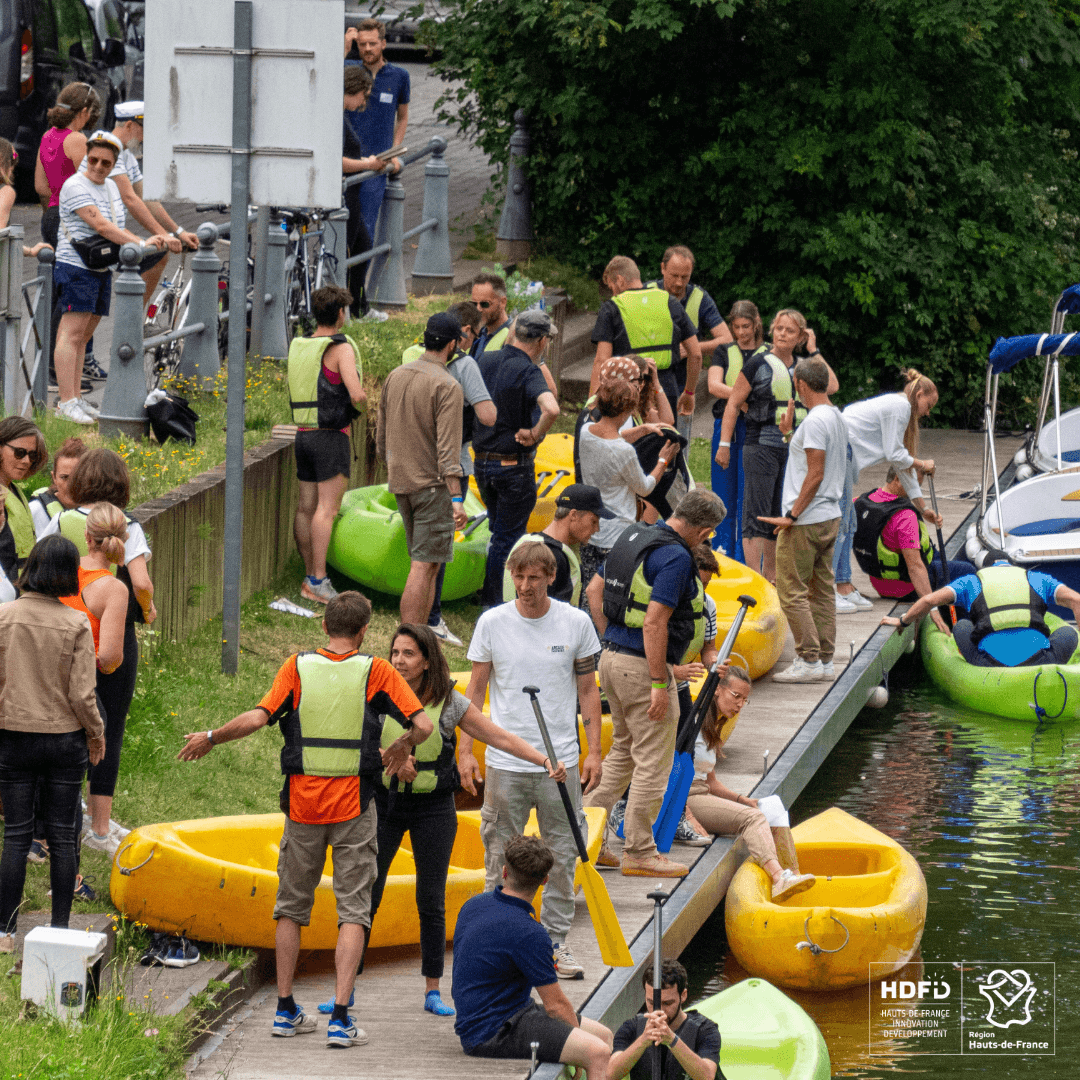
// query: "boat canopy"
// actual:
[[1069, 301], [1008, 352]]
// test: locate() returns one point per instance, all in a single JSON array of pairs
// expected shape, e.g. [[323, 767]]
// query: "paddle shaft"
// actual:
[[944, 609], [571, 813], [657, 967], [704, 699]]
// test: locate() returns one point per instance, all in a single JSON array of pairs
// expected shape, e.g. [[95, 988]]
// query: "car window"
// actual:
[[111, 20], [44, 25], [73, 25]]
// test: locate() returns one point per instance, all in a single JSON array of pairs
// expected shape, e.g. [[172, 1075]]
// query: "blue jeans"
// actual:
[[51, 767], [728, 484], [509, 493], [371, 198], [841, 561]]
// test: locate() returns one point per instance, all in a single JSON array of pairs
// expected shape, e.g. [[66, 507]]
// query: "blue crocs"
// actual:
[[345, 1033], [433, 1003], [327, 1007], [286, 1025]]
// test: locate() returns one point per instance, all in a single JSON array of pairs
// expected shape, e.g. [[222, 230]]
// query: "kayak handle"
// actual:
[[558, 476], [1040, 712], [127, 871], [816, 949]]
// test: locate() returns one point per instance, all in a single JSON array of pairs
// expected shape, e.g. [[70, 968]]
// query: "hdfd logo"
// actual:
[[1009, 994], [934, 989]]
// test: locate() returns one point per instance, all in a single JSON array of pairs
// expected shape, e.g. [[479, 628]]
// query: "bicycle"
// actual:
[[168, 311], [307, 267]]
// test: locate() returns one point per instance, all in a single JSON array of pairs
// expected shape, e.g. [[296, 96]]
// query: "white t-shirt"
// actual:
[[704, 759], [612, 465], [126, 165], [134, 546], [823, 429], [875, 429], [534, 652], [80, 191]]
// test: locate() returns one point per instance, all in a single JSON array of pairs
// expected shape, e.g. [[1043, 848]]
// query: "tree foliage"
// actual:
[[902, 171]]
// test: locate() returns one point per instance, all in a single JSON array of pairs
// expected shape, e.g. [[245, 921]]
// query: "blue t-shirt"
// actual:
[[483, 337], [515, 383], [500, 953], [375, 124], [671, 572], [1009, 647]]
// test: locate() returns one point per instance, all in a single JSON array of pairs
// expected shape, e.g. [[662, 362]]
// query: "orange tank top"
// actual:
[[76, 602]]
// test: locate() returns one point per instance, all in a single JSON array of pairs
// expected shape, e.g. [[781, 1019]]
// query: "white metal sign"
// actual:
[[296, 101]]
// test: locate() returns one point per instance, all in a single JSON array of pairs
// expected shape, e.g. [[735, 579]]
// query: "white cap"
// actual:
[[129, 110]]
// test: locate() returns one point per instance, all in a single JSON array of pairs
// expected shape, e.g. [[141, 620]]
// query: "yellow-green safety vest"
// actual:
[[304, 366], [510, 593], [782, 390], [649, 326], [691, 305], [498, 341], [413, 352], [735, 362], [20, 521], [329, 733], [436, 757], [73, 526], [1007, 602], [49, 502]]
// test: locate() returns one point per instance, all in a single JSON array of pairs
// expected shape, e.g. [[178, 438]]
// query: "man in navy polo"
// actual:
[[501, 953], [383, 122]]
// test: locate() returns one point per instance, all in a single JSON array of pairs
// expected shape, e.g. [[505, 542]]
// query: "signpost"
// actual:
[[280, 64]]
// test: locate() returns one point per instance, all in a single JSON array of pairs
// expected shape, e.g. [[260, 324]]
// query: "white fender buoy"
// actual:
[[878, 697]]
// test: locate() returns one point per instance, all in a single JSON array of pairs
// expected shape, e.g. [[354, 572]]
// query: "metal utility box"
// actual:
[[61, 968]]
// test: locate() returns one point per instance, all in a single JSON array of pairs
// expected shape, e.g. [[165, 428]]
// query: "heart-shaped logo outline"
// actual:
[[991, 990]]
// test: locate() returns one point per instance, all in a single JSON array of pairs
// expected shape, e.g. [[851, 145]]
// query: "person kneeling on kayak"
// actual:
[[687, 1042], [893, 546], [331, 704], [1007, 607], [721, 810]]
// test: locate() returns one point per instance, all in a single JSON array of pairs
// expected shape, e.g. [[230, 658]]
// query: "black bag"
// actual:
[[98, 254], [172, 418]]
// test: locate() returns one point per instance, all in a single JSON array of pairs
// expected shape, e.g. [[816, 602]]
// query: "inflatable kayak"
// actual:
[[216, 880], [554, 465], [368, 544], [764, 1035], [1045, 691], [761, 638], [868, 906]]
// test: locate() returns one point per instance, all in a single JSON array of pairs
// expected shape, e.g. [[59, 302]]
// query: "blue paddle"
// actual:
[[682, 769]]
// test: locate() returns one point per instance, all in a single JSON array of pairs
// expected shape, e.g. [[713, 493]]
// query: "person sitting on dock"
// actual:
[[501, 953], [687, 1042], [331, 704], [892, 544], [725, 812], [1007, 626]]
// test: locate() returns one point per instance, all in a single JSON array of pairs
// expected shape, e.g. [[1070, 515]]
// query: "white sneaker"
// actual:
[[828, 672], [108, 843], [375, 315], [89, 408], [855, 597], [791, 883], [444, 633], [566, 967], [117, 830], [800, 671], [844, 606], [72, 410]]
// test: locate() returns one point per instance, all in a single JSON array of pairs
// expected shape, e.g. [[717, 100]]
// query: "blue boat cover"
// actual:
[[1008, 352], [1046, 527], [1070, 301]]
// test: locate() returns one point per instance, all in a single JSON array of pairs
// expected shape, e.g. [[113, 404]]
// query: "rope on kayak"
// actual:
[[1040, 712], [816, 949], [127, 871]]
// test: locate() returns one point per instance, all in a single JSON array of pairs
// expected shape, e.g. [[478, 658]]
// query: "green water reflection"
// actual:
[[991, 809]]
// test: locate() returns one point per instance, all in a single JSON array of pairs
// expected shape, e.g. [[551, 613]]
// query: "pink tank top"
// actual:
[[55, 162]]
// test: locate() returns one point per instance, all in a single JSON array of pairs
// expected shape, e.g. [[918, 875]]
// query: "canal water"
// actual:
[[991, 810]]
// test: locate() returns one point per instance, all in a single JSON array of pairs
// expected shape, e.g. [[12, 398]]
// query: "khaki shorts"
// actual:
[[301, 859], [428, 516]]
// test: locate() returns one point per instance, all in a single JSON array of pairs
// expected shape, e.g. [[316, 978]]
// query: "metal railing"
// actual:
[[24, 350]]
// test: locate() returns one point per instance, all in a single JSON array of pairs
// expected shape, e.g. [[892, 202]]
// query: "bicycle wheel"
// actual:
[[158, 360]]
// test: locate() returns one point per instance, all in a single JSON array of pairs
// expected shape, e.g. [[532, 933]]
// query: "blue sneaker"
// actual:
[[298, 1023], [327, 1007], [180, 953], [433, 1003], [345, 1033]]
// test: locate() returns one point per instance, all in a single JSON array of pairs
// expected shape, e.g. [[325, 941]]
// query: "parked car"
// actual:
[[44, 45]]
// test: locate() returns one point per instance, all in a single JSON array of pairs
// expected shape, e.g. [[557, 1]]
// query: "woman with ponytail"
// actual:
[[882, 429], [104, 600]]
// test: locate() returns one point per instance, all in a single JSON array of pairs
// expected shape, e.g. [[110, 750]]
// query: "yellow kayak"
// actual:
[[216, 880], [761, 638], [554, 471], [868, 906]]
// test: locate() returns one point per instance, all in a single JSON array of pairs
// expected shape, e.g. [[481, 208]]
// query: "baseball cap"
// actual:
[[533, 324], [129, 110], [583, 497], [441, 329]]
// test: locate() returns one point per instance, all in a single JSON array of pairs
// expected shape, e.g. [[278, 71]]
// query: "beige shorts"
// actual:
[[428, 517], [301, 859]]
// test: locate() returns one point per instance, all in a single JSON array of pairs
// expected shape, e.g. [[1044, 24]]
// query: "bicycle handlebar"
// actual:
[[221, 208]]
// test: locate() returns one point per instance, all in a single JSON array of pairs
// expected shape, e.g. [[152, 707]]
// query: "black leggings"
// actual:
[[115, 692], [49, 767], [431, 822]]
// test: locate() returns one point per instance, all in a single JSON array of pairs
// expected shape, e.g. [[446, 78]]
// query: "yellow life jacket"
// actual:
[[436, 756], [20, 521], [649, 326]]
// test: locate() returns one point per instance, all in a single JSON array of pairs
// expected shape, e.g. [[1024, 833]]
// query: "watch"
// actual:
[[177, 231], [794, 517]]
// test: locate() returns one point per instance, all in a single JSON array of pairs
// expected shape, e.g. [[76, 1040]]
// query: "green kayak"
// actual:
[[368, 544], [1011, 693], [765, 1035]]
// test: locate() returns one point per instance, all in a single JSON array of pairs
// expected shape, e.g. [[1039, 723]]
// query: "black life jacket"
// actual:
[[871, 553]]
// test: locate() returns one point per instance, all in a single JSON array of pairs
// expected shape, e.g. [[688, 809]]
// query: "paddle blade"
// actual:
[[671, 811], [609, 935]]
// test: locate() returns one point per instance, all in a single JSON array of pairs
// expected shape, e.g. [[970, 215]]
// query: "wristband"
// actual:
[[457, 498], [660, 685], [674, 1042], [722, 443], [689, 393], [816, 352], [210, 738], [177, 231]]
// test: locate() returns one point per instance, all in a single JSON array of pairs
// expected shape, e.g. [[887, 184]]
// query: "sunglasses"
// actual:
[[21, 452]]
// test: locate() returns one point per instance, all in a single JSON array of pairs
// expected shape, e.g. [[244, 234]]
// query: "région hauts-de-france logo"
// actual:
[[1009, 994]]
